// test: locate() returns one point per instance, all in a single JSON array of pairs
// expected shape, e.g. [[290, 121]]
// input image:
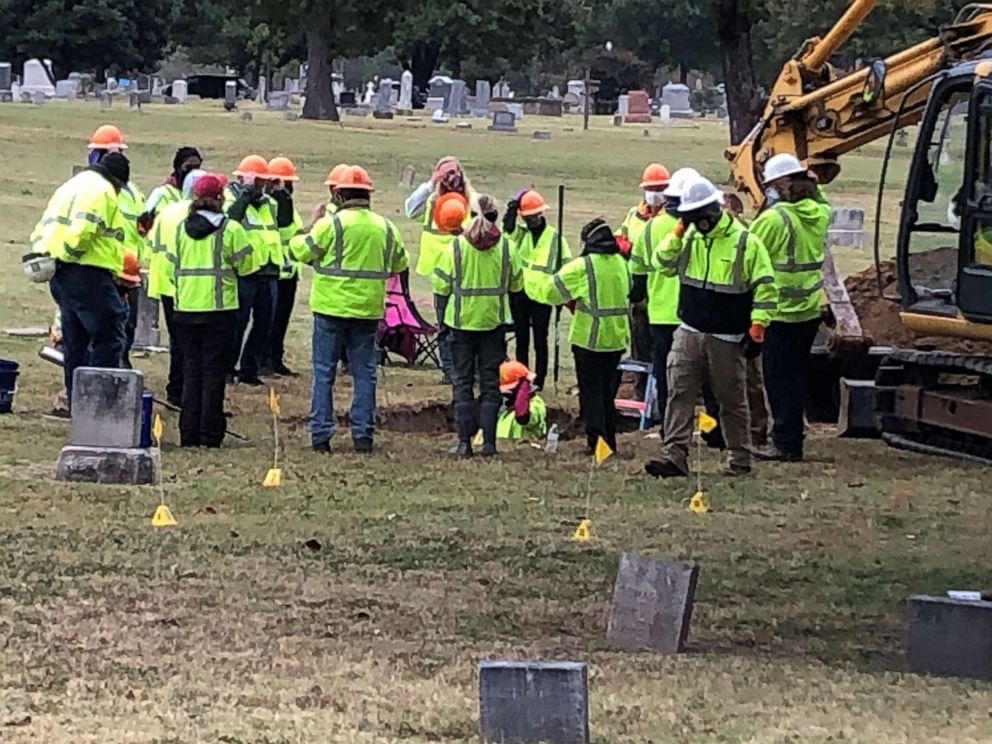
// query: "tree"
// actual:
[[733, 30]]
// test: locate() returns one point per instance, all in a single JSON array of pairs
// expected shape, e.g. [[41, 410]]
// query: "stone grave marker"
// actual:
[[106, 100], [847, 227], [230, 95], [951, 637], [6, 76], [439, 117], [66, 89], [180, 90], [37, 77], [652, 604], [262, 93], [524, 701], [382, 104], [677, 97], [405, 102], [38, 98], [542, 134], [456, 101], [502, 90], [439, 86], [623, 105], [278, 101], [434, 103], [638, 107], [290, 116], [134, 100], [902, 138], [105, 441], [503, 121], [517, 109], [347, 98], [480, 107], [407, 175], [147, 334]]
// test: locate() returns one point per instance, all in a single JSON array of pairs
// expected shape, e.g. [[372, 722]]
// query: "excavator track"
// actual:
[[936, 403]]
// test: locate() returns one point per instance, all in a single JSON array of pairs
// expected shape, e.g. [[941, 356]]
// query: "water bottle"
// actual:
[[551, 445]]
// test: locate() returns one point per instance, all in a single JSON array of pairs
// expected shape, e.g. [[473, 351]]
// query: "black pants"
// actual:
[[93, 318], [481, 351], [257, 302], [174, 387], [285, 299], [529, 315], [784, 359], [205, 344], [599, 381], [662, 336], [133, 302]]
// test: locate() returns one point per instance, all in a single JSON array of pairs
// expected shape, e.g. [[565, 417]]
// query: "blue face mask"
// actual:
[[772, 195]]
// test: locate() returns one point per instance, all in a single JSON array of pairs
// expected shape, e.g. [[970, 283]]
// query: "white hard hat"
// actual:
[[677, 183], [699, 193], [782, 165], [190, 181]]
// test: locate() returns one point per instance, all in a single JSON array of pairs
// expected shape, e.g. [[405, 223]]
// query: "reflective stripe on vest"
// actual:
[[737, 286], [217, 271], [790, 266], [458, 291], [594, 310], [336, 268]]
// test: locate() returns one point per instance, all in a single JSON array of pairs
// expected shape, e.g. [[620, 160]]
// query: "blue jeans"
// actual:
[[93, 318], [332, 338]]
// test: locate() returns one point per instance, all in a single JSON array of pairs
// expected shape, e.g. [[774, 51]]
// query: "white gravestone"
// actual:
[[676, 96], [405, 101], [37, 78], [180, 90]]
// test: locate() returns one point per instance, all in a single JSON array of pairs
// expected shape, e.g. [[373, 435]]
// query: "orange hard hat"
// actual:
[[655, 175], [283, 169], [450, 213], [511, 373], [356, 178], [106, 137], [334, 177], [131, 271], [252, 165], [532, 203]]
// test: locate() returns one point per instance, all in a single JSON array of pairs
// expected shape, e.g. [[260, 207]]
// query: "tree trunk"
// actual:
[[743, 101], [320, 102], [683, 73], [423, 60]]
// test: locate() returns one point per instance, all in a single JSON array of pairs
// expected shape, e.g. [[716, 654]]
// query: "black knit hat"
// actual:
[[117, 166], [183, 154]]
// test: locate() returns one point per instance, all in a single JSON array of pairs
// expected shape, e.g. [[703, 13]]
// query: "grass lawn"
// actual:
[[354, 604]]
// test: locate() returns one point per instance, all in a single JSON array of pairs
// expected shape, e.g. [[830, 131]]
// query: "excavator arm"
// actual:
[[818, 115]]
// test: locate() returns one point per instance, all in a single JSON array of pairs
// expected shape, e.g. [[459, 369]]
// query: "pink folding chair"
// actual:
[[404, 331]]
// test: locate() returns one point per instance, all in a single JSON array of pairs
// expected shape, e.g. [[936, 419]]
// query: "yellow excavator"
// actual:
[[928, 401]]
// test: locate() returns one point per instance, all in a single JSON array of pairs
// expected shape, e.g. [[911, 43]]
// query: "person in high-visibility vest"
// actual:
[[331, 182], [596, 285], [185, 161], [353, 252], [81, 228], [289, 223], [726, 298], [208, 251], [524, 415], [248, 202], [107, 139], [542, 252], [794, 230], [660, 291], [473, 280], [447, 177]]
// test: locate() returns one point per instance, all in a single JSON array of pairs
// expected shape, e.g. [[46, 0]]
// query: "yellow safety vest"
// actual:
[[168, 222], [206, 269]]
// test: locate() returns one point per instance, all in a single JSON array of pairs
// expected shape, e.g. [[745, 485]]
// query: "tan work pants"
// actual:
[[756, 404], [696, 357]]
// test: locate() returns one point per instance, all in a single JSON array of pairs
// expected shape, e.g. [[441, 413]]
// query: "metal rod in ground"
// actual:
[[57, 358], [557, 266]]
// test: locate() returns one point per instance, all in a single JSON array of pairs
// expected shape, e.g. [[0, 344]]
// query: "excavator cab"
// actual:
[[944, 248]]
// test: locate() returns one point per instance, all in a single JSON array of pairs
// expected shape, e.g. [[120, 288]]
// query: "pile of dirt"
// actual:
[[880, 317]]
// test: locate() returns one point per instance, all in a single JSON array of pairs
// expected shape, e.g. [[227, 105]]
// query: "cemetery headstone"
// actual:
[[502, 89], [262, 93], [542, 134], [369, 93], [247, 117], [456, 101], [38, 98], [522, 701], [665, 113], [677, 96], [180, 90], [105, 441], [638, 107], [439, 86], [106, 100], [951, 637], [407, 175], [439, 117], [434, 103], [290, 116], [15, 91], [517, 109], [405, 102], [652, 604], [480, 106], [503, 121], [278, 101], [230, 95], [383, 100], [623, 105], [147, 334], [847, 227], [555, 91], [6, 75], [38, 77], [347, 98]]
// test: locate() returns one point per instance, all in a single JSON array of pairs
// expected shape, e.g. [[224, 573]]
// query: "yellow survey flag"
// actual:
[[602, 451], [707, 423], [273, 478], [698, 503], [163, 517], [581, 533], [157, 429], [273, 401], [478, 440]]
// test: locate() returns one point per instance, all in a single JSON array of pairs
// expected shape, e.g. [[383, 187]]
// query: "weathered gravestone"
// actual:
[[230, 95], [439, 86], [38, 78], [147, 333], [456, 101], [652, 604], [382, 103], [407, 175], [847, 227], [278, 100], [523, 701], [105, 442], [405, 101], [623, 105], [180, 90], [542, 134], [434, 103], [950, 637], [638, 107], [503, 121], [502, 89], [6, 76], [38, 98], [677, 96], [66, 89], [480, 106]]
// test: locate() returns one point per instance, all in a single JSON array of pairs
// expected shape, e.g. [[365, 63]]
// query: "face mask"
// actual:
[[534, 223], [772, 195], [654, 198], [705, 219]]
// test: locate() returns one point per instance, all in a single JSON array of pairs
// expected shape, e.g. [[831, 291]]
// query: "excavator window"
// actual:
[[974, 281]]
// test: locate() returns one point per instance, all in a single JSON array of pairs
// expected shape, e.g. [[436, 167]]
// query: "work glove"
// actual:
[[240, 206], [284, 208], [510, 216], [145, 222]]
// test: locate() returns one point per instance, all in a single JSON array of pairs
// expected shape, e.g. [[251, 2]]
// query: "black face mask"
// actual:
[[704, 219], [535, 223]]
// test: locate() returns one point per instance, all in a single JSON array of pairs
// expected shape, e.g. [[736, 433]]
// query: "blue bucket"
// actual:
[[146, 419], [8, 384]]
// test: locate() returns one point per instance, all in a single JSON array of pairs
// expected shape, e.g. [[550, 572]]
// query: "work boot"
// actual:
[[282, 369], [363, 446], [252, 381], [774, 454], [735, 470], [323, 448], [463, 450], [489, 449], [266, 371], [664, 469]]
